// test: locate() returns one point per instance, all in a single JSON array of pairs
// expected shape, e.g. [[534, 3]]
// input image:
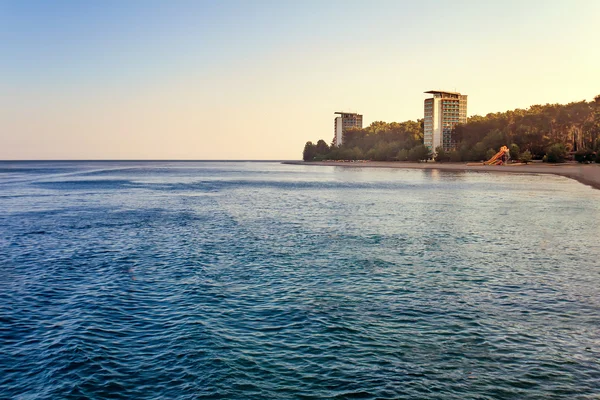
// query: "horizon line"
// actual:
[[146, 159]]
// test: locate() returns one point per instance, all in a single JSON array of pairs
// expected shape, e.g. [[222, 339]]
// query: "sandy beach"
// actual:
[[588, 174]]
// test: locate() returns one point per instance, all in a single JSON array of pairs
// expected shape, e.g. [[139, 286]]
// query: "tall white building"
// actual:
[[345, 121], [443, 112]]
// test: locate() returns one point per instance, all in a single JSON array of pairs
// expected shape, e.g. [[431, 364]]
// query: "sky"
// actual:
[[147, 79]]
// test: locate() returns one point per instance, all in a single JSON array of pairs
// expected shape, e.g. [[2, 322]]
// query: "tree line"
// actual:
[[380, 141], [548, 132]]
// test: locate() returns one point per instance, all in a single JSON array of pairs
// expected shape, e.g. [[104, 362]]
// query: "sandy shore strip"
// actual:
[[588, 174]]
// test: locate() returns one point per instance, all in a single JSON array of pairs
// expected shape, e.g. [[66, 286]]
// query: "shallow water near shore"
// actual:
[[260, 280]]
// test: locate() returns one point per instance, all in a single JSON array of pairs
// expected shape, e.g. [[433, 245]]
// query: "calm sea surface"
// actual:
[[190, 280]]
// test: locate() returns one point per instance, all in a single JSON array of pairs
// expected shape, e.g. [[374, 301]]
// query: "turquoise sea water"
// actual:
[[190, 280]]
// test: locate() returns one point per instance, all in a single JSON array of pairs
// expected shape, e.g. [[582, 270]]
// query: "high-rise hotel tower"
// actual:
[[345, 121], [442, 112]]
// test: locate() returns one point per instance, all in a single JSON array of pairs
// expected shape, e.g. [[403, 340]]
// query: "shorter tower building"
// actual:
[[443, 112], [345, 121]]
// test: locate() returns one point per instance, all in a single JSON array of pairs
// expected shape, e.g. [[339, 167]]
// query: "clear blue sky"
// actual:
[[255, 80]]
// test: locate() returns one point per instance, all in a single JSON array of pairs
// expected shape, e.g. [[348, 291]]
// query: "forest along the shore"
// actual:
[[551, 132]]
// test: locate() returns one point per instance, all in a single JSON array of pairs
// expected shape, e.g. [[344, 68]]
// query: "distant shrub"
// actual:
[[526, 157], [402, 155], [455, 156], [465, 153], [585, 156], [419, 152], [478, 153], [515, 151], [591, 156], [441, 155], [357, 153], [370, 155], [556, 153]]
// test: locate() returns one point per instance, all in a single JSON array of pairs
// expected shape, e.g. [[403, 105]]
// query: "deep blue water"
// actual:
[[190, 280]]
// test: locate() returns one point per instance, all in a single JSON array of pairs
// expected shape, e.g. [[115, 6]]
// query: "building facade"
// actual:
[[345, 121], [443, 112]]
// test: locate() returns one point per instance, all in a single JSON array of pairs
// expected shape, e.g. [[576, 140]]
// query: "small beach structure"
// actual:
[[500, 158]]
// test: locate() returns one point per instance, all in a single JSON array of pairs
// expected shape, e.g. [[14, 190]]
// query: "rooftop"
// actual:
[[441, 92], [349, 113]]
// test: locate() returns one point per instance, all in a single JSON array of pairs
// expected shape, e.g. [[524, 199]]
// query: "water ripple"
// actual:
[[257, 280]]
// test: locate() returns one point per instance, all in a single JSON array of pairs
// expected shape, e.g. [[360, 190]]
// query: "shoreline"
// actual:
[[587, 174]]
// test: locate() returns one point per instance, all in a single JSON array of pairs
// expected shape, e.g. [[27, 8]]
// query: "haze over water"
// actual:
[[261, 280]]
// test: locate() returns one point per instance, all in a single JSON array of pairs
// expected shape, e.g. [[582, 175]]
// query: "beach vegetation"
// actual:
[[309, 151], [322, 147], [557, 153], [402, 155], [455, 156], [315, 152], [585, 156], [441, 155], [515, 151], [490, 153], [419, 153], [525, 157], [574, 126]]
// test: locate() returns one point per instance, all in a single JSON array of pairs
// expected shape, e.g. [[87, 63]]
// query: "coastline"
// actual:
[[588, 174]]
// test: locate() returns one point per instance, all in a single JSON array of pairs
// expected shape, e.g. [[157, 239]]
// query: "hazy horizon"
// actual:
[[202, 81]]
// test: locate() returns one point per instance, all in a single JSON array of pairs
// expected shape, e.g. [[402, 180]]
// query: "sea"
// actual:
[[260, 280]]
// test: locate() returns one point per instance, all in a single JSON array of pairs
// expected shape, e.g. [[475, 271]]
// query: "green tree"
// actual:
[[490, 153], [357, 153], [322, 148], [370, 155], [402, 155], [334, 153], [465, 153], [441, 155], [585, 156], [525, 157], [419, 153], [515, 152], [382, 151], [310, 151], [495, 139], [580, 156], [478, 153], [556, 153], [455, 156]]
